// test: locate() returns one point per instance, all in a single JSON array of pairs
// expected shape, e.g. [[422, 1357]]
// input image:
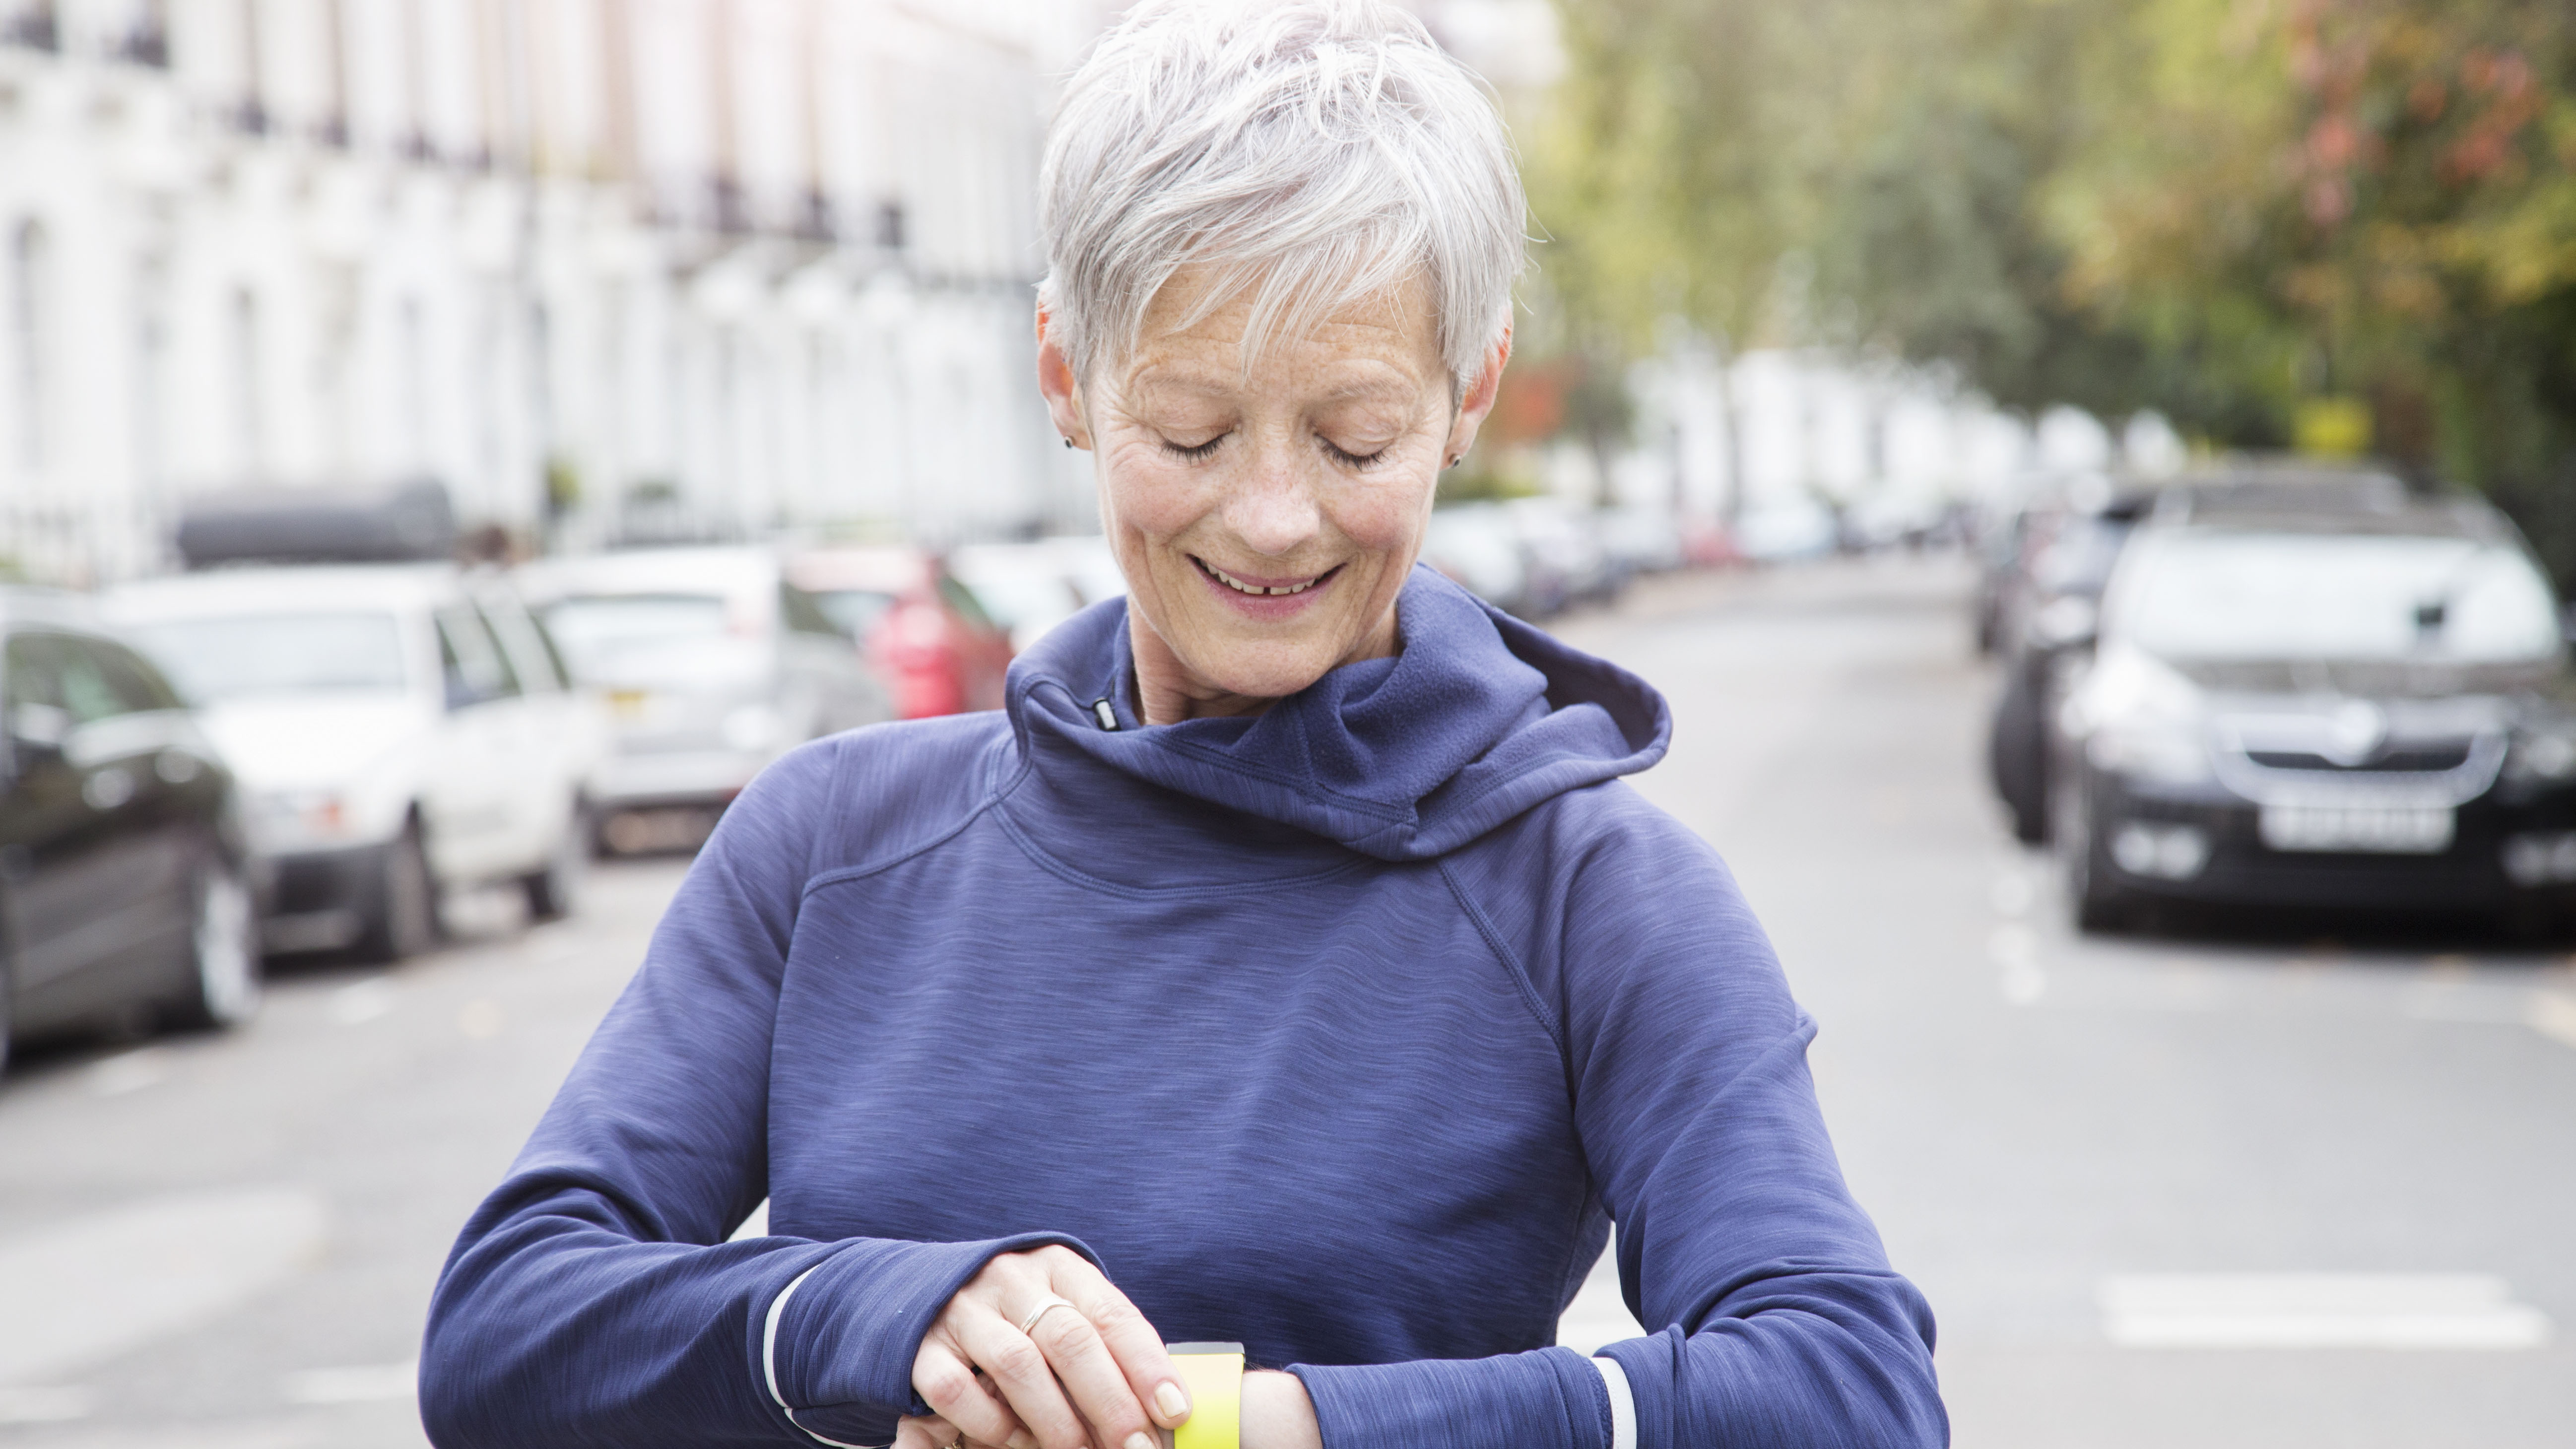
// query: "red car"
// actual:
[[928, 637]]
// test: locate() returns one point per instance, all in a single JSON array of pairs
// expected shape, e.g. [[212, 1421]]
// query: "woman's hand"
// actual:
[[1093, 1373]]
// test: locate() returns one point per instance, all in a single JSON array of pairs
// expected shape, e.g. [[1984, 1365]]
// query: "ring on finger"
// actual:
[[1050, 1305]]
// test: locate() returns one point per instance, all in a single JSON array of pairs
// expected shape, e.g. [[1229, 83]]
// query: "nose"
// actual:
[[1271, 507]]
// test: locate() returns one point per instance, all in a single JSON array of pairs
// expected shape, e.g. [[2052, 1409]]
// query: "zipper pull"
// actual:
[[1101, 711]]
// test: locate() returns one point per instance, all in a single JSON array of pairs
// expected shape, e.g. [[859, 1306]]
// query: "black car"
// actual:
[[2360, 707], [126, 886]]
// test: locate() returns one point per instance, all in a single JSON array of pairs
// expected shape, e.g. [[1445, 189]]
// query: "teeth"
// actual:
[[1239, 586]]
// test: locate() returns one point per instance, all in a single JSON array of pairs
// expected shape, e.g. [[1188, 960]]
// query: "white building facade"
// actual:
[[713, 267]]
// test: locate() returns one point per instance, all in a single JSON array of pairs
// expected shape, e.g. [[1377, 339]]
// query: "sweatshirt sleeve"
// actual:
[[593, 1299], [1778, 1320]]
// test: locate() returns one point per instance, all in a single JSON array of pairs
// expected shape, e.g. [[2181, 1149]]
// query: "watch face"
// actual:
[[1177, 1349]]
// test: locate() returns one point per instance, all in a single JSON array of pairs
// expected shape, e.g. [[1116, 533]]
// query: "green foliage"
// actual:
[[2222, 209]]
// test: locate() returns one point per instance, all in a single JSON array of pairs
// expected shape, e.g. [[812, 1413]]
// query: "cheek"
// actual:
[[1150, 494], [1385, 517]]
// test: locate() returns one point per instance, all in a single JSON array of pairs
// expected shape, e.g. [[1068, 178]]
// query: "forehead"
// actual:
[[1194, 341]]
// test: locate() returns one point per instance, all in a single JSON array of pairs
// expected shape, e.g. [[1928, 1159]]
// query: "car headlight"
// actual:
[[2169, 752], [310, 814], [750, 727], [2548, 754]]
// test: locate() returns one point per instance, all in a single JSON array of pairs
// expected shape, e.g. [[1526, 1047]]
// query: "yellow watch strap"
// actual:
[[1212, 1374]]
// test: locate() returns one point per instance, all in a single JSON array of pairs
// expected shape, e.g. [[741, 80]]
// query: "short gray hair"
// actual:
[[1314, 153]]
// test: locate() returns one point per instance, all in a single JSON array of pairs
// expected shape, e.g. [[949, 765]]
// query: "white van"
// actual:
[[400, 730]]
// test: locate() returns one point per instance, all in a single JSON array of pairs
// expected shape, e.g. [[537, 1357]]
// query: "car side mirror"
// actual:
[[2068, 621], [36, 734]]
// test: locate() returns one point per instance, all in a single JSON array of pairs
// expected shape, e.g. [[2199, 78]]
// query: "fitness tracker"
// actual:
[[1212, 1374]]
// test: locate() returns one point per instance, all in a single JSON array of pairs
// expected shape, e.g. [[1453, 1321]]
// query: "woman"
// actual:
[[1285, 966]]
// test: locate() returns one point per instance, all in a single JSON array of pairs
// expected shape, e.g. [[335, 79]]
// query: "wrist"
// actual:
[[1277, 1414]]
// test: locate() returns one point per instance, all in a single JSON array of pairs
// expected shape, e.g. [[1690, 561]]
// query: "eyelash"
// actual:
[[1202, 451]]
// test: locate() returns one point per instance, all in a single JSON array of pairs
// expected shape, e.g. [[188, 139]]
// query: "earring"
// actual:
[[1068, 442]]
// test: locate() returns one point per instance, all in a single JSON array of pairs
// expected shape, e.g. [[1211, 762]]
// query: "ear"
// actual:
[[1479, 401], [1057, 383]]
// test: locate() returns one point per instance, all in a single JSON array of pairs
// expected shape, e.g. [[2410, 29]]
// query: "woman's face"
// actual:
[[1265, 521]]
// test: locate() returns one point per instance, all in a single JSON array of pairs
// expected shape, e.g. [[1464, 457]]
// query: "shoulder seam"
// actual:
[[867, 868], [1510, 961]]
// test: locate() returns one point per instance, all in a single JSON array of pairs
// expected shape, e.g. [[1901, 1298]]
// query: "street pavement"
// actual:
[[2240, 1183]]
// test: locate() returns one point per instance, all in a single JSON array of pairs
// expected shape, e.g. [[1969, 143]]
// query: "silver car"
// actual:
[[712, 666]]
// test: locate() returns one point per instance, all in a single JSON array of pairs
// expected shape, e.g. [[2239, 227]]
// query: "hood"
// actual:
[[1476, 720], [310, 741]]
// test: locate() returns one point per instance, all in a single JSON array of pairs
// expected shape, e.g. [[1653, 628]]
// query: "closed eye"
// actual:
[[1194, 452], [1349, 459]]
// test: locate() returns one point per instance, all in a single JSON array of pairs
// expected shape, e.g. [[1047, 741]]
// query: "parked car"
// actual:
[[401, 731], [1027, 588], [1564, 544], [928, 635], [712, 665], [126, 876], [1644, 538], [2048, 603], [1480, 549], [2365, 707]]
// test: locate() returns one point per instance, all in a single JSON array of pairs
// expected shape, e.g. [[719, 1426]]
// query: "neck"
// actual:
[[1168, 691]]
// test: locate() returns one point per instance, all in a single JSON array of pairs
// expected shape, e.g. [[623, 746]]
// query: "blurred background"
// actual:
[[2096, 478]]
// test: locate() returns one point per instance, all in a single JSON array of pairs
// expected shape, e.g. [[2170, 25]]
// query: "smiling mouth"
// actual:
[[1262, 590]]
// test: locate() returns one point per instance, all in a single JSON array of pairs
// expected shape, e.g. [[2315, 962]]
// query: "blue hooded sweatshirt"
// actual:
[[1345, 1031]]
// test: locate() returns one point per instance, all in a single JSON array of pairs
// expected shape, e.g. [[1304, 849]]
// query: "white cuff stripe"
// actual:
[[1623, 1403], [769, 1358]]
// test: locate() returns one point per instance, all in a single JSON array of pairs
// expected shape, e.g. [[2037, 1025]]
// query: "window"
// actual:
[[31, 300], [137, 687], [220, 657], [476, 669]]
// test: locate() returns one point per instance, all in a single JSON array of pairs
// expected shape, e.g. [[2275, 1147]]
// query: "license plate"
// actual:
[[2372, 829]]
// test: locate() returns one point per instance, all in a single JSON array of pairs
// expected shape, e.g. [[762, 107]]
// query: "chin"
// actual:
[[1264, 671]]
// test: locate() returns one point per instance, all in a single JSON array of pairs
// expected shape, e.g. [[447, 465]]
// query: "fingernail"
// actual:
[[1022, 1439], [1169, 1398], [1141, 1440]]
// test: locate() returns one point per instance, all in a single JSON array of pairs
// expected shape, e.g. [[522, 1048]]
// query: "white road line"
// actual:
[[364, 1384], [114, 1280], [128, 1072], [2015, 948], [2553, 1015], [361, 1001], [2318, 1310], [45, 1406]]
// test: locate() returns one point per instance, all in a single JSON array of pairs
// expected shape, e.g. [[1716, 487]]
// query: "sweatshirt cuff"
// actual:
[[1552, 1398], [1651, 1366], [837, 1344]]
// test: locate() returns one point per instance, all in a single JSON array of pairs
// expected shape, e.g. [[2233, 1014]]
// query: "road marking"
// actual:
[[2015, 947], [45, 1406], [113, 1280], [365, 1384], [128, 1072], [2317, 1310], [2553, 1015], [361, 1002]]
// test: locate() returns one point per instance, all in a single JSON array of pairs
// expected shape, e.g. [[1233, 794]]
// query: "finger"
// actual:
[[1133, 1342], [1091, 1375], [932, 1432], [1020, 1372], [946, 1381]]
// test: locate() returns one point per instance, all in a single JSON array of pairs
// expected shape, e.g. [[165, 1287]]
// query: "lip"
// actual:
[[1266, 607]]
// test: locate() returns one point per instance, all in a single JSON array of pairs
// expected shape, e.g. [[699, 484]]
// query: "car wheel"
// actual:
[[554, 890], [2098, 904], [405, 919], [2017, 757], [223, 986]]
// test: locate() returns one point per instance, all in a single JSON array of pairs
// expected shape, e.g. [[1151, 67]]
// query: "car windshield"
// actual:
[[2336, 596], [659, 640], [269, 654], [853, 611]]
